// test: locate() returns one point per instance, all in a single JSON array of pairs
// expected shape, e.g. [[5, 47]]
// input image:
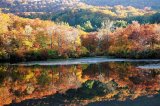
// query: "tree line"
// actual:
[[23, 39]]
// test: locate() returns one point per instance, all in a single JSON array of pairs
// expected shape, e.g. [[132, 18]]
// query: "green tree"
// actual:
[[88, 26], [120, 23]]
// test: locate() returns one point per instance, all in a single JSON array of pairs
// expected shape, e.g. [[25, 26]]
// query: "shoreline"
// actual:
[[83, 60]]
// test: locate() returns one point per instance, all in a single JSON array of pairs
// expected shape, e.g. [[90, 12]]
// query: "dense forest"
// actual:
[[94, 16], [33, 39], [79, 52], [75, 29], [136, 3]]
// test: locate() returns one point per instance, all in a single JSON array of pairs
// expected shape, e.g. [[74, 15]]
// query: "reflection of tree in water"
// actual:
[[98, 71], [3, 73], [62, 82], [136, 82], [89, 90], [37, 81], [123, 69], [44, 78], [101, 75]]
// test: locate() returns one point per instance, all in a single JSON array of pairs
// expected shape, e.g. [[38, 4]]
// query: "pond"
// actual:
[[87, 81]]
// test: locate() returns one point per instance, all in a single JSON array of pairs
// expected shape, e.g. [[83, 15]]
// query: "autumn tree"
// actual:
[[90, 42], [103, 34], [50, 32], [5, 22]]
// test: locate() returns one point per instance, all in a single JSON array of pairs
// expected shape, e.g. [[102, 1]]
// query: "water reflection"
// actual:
[[76, 84]]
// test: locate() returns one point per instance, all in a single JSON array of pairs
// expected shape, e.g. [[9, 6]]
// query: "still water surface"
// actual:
[[89, 81]]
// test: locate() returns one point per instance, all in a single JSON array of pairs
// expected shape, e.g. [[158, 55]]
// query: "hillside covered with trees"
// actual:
[[62, 29], [33, 39], [36, 39], [79, 52], [136, 3], [80, 13], [91, 16]]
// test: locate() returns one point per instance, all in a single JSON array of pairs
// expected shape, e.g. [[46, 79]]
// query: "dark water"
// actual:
[[102, 83]]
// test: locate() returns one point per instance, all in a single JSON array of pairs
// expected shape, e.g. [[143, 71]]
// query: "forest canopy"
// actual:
[[31, 39]]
